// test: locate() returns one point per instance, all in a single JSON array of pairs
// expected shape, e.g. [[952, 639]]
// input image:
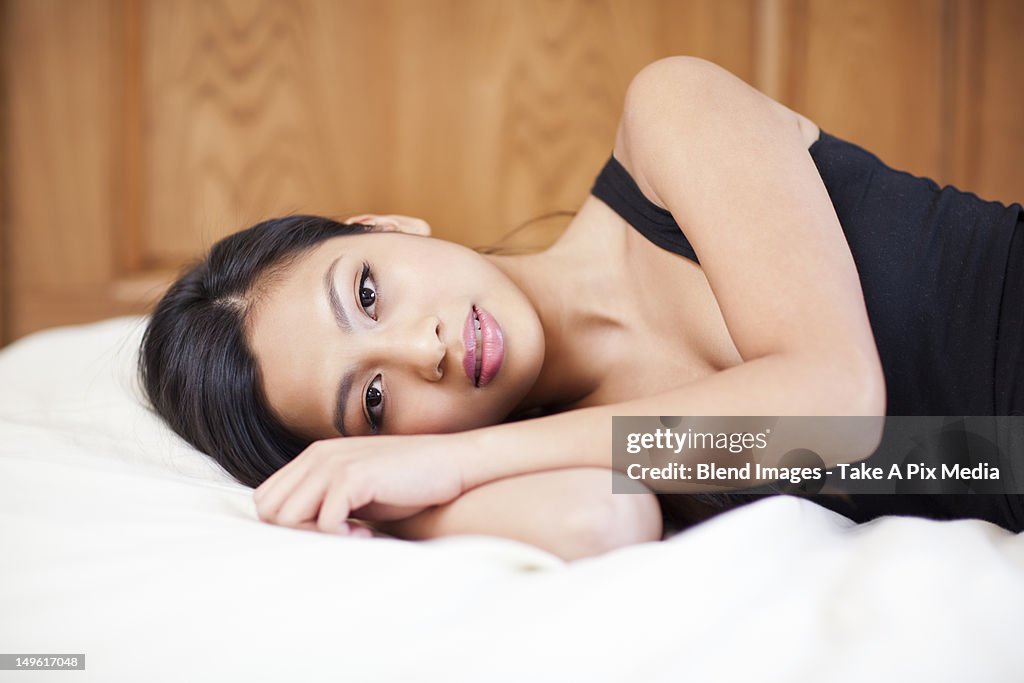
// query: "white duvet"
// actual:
[[120, 542]]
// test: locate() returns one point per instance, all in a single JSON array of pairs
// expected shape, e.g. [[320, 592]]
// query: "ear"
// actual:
[[393, 223]]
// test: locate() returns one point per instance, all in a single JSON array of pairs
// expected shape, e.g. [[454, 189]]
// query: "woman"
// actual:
[[360, 341]]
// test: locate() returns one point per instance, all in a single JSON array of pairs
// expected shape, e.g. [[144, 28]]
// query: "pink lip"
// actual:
[[492, 351], [469, 340], [494, 346]]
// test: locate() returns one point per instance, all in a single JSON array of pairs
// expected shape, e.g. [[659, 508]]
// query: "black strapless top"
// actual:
[[942, 273]]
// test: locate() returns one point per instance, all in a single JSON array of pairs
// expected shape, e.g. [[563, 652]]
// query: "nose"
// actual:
[[416, 347]]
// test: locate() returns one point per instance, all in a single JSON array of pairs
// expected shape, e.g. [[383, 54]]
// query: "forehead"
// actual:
[[280, 290], [285, 322], [377, 243]]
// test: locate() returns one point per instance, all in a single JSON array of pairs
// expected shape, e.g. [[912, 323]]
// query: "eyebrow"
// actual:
[[341, 317]]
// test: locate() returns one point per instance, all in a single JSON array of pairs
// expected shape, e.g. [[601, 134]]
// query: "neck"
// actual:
[[568, 286]]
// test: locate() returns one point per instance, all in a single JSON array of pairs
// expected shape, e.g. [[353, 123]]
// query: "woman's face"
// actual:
[[406, 299]]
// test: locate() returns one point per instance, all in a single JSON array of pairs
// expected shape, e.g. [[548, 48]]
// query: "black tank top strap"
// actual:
[[616, 188]]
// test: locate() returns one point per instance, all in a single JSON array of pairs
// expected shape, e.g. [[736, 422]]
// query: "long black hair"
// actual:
[[196, 366]]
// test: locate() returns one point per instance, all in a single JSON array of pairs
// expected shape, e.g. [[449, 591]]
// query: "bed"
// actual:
[[119, 541]]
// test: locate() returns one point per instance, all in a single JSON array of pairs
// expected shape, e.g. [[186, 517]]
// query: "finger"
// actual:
[[373, 512], [272, 493], [261, 491], [380, 512], [334, 509], [350, 529], [300, 462], [357, 531], [303, 502], [351, 492], [268, 506]]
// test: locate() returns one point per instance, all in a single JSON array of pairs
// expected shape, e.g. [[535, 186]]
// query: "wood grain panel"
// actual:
[[987, 114], [59, 198], [70, 130], [57, 70], [475, 115], [126, 136], [870, 72], [563, 89]]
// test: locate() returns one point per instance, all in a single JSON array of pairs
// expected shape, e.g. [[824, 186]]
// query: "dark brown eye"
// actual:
[[368, 292], [367, 297], [374, 401]]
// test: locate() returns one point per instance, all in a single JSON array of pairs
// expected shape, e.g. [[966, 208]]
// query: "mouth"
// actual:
[[485, 347]]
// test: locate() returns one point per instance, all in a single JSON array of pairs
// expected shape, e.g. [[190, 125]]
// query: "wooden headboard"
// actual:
[[136, 133]]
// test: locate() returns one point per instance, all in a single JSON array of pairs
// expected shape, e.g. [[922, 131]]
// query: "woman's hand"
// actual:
[[372, 478]]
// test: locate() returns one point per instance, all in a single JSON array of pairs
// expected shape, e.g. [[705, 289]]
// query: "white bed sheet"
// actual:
[[119, 541]]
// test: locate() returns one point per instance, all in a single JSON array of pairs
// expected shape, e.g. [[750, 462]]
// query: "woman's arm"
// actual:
[[571, 513], [772, 385]]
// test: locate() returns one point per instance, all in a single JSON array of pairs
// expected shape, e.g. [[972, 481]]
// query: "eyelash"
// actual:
[[375, 425]]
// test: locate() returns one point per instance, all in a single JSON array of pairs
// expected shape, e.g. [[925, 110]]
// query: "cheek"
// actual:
[[460, 273]]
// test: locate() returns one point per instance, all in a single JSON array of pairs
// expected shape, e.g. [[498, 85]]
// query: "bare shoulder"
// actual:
[[731, 165], [694, 87]]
